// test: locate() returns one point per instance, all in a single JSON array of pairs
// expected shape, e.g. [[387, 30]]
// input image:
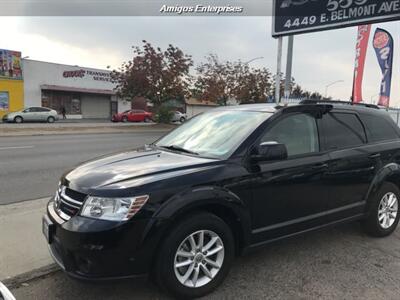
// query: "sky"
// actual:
[[319, 58]]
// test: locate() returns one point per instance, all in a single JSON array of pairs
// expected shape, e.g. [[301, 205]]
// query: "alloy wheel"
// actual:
[[199, 258], [388, 209]]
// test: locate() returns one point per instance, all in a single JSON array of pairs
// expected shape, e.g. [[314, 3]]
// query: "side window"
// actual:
[[379, 129], [298, 132], [42, 109], [342, 130]]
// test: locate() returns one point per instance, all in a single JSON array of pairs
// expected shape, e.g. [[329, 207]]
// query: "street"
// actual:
[[30, 166], [339, 263]]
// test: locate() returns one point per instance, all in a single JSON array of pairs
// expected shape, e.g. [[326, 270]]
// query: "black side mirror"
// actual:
[[269, 151]]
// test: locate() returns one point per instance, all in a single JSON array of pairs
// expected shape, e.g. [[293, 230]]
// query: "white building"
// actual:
[[83, 92], [195, 107]]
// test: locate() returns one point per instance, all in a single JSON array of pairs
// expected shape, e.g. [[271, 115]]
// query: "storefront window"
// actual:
[[57, 100], [75, 106], [4, 101]]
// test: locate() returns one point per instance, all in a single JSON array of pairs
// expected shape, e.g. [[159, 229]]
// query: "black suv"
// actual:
[[223, 183]]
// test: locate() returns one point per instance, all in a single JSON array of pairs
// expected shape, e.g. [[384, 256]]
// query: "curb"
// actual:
[[83, 130], [17, 281]]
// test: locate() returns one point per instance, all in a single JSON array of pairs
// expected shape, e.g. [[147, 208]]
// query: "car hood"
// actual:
[[133, 168]]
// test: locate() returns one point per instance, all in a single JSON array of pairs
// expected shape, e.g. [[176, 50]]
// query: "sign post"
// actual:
[[289, 63], [278, 72]]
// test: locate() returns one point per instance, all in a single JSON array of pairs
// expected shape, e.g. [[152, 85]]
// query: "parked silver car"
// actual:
[[179, 117], [32, 114]]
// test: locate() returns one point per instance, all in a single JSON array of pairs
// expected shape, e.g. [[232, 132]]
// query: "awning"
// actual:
[[76, 90]]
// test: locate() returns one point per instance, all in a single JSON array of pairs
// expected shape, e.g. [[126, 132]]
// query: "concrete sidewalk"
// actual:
[[29, 129], [22, 245]]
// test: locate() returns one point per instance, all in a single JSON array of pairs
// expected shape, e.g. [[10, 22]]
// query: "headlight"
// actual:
[[113, 209]]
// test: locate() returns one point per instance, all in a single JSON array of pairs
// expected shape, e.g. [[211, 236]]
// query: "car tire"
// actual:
[[383, 215], [124, 119], [147, 120], [18, 120], [182, 120], [51, 120], [171, 278]]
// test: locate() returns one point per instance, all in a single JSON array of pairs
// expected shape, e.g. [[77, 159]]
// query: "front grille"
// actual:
[[68, 202]]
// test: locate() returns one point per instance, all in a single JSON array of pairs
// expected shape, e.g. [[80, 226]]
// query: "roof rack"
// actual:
[[338, 102]]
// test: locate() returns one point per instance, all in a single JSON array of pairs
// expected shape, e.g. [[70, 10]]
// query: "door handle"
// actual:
[[320, 166], [376, 155]]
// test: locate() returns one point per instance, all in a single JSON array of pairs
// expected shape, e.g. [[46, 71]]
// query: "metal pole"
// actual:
[[278, 72], [289, 62]]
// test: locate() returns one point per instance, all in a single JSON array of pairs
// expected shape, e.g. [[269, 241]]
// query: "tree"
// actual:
[[154, 74], [214, 80], [218, 82], [251, 85]]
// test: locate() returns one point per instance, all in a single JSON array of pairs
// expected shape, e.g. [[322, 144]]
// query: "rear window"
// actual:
[[379, 128], [342, 130]]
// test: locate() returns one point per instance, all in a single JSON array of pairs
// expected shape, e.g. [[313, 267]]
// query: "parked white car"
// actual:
[[32, 114], [179, 117]]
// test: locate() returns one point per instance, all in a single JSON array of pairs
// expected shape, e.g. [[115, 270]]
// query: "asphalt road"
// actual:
[[30, 166], [340, 263]]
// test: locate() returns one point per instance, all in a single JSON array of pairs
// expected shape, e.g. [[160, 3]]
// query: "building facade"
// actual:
[[11, 82], [82, 92]]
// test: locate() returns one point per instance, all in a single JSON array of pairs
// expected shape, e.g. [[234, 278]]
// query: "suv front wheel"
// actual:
[[195, 257]]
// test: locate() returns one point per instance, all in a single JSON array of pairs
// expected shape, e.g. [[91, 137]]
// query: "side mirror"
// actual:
[[269, 151], [5, 293]]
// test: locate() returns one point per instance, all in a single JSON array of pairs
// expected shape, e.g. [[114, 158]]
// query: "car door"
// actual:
[[290, 195], [352, 163], [133, 116], [28, 114], [141, 115], [42, 113]]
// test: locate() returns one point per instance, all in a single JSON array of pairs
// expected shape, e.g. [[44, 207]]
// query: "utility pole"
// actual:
[[289, 62], [278, 72]]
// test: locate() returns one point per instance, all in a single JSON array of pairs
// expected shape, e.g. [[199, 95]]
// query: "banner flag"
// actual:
[[383, 45], [361, 51]]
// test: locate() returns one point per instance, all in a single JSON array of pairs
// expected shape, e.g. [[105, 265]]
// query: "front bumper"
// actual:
[[97, 250]]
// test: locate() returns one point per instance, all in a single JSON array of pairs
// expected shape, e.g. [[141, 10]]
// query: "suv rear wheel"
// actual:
[[384, 214], [195, 257]]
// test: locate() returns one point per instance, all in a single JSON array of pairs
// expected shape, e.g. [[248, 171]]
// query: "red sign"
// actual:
[[361, 52], [76, 73]]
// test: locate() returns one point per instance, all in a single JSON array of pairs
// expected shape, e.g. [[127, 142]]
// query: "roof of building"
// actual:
[[75, 89], [195, 101]]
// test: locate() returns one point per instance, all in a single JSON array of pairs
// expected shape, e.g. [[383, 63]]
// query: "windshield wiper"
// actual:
[[178, 148]]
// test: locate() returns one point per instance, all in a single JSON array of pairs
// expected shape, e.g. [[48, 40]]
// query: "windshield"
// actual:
[[214, 134]]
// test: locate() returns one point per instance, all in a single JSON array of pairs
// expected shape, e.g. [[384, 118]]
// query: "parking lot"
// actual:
[[337, 263]]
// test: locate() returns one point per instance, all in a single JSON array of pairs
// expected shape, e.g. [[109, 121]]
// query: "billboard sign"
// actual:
[[301, 16], [10, 64]]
